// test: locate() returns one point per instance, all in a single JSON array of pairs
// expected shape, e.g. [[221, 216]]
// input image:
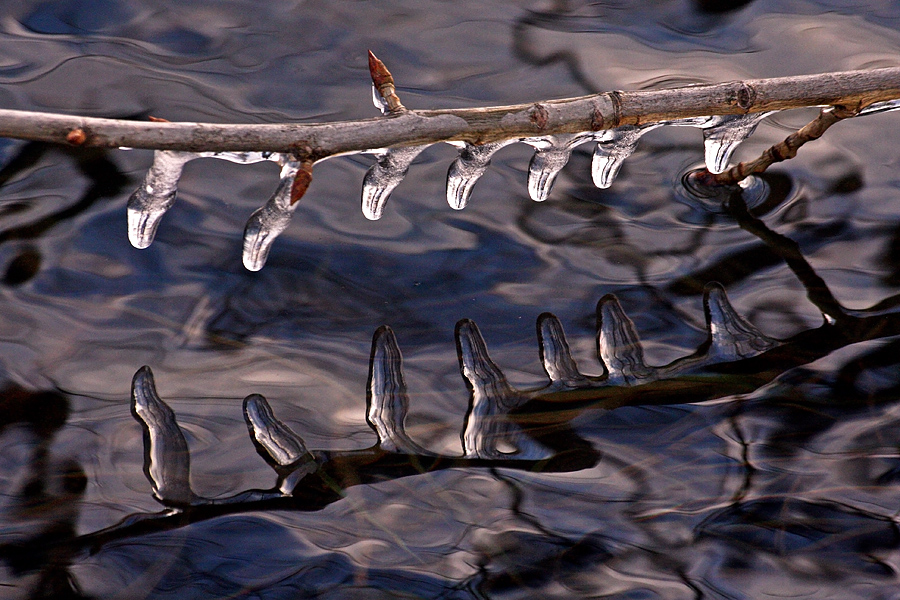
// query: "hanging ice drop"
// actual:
[[385, 175], [155, 195], [551, 156], [473, 161], [723, 134], [613, 147], [267, 223]]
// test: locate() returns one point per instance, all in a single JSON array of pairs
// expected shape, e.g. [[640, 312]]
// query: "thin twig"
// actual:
[[781, 151], [476, 125]]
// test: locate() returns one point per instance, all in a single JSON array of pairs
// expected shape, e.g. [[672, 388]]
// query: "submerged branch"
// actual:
[[400, 128]]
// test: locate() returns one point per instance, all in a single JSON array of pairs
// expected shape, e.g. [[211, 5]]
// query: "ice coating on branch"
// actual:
[[385, 175], [155, 196], [388, 402], [613, 147], [282, 445], [723, 134], [618, 345], [732, 337], [551, 156], [465, 171], [157, 191], [267, 223], [378, 101], [167, 462], [487, 432], [555, 355], [880, 107]]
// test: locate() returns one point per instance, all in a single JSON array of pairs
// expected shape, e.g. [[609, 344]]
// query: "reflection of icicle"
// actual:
[[269, 221], [155, 195], [387, 397], [555, 354], [614, 146], [281, 444], [385, 175], [473, 161], [732, 336], [618, 344], [167, 462], [551, 156], [487, 432], [723, 134]]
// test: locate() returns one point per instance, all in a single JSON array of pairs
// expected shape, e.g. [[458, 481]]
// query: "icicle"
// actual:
[[614, 146], [880, 107], [167, 462], [555, 354], [723, 134], [552, 154], [155, 195], [473, 161], [385, 175], [732, 336], [269, 221], [388, 402], [487, 429], [618, 345]]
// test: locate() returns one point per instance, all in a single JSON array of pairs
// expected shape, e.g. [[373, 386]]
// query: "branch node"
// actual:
[[746, 95], [76, 136], [539, 116]]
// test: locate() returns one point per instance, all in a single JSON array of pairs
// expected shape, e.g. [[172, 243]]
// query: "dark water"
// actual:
[[790, 489]]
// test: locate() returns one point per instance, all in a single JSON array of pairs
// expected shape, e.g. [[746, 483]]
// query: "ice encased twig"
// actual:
[[167, 462], [269, 221], [551, 155], [613, 147], [385, 175], [468, 168]]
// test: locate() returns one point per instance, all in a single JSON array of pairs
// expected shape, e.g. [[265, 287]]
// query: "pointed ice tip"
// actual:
[[143, 388], [554, 350]]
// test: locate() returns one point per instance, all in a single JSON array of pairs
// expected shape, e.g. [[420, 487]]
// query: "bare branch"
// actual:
[[852, 89]]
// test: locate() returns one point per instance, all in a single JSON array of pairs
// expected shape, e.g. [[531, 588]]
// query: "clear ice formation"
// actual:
[[551, 155], [379, 102], [388, 401], [487, 432], [732, 337], [618, 345], [880, 107], [465, 171], [267, 222], [385, 175], [157, 191], [555, 354], [167, 462], [613, 147], [723, 134]]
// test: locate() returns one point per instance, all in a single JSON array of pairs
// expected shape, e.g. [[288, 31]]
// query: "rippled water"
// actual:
[[788, 490]]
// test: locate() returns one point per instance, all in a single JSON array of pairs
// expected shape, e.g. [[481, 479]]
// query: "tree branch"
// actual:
[[608, 110]]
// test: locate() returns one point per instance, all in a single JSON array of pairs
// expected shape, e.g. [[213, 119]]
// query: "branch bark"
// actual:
[[314, 141]]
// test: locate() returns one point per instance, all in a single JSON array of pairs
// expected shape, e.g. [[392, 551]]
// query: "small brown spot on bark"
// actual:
[[301, 182], [76, 137], [596, 120], [745, 96], [539, 116]]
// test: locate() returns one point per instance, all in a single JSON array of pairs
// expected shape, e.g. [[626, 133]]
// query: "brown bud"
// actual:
[[380, 74], [157, 119], [76, 137], [301, 181]]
